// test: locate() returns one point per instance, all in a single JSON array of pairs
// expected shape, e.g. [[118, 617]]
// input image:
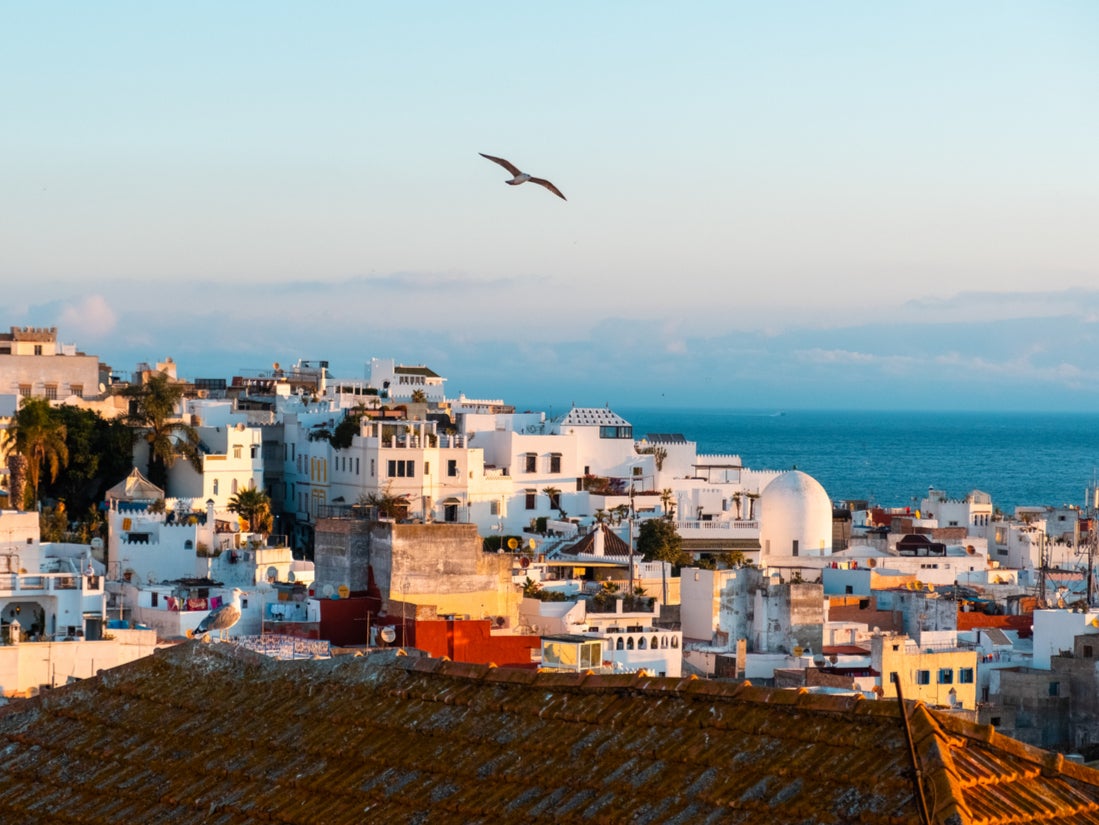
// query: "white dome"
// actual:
[[795, 517]]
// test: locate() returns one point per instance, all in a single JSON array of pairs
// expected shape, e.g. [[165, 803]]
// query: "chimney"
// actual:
[[598, 548]]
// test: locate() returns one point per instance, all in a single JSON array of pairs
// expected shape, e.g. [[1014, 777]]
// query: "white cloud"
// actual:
[[89, 319]]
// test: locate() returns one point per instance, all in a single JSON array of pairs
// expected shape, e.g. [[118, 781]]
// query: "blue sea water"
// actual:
[[892, 458]]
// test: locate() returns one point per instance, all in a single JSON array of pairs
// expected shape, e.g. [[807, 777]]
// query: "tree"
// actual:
[[254, 506], [554, 496], [658, 540], [100, 453], [419, 396], [388, 504], [667, 501], [154, 412], [39, 436]]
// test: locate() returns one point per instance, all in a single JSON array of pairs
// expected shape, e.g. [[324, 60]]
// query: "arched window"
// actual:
[[675, 641], [619, 644], [629, 643], [188, 545], [234, 490], [664, 641], [655, 643], [641, 643]]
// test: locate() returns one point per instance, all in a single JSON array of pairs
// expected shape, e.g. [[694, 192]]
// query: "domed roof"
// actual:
[[795, 516]]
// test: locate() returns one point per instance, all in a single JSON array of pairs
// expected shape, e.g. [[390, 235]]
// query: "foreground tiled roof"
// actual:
[[216, 735]]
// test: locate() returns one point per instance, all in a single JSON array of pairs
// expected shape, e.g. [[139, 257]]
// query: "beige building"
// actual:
[[33, 364], [944, 677]]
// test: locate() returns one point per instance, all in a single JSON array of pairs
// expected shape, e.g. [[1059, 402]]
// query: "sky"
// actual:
[[851, 205]]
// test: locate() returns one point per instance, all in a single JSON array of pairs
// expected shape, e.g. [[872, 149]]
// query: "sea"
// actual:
[[891, 459]]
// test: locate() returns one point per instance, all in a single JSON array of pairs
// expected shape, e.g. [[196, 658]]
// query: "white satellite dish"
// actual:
[[272, 574], [328, 590], [290, 577], [388, 634]]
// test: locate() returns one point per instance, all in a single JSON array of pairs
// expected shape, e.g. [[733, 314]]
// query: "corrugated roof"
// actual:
[[210, 733]]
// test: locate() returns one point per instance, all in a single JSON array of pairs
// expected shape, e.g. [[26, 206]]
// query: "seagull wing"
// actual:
[[549, 186], [507, 164]]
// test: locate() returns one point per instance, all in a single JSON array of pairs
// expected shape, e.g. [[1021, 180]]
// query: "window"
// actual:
[[236, 451], [532, 499], [51, 392], [37, 349], [25, 390], [401, 468], [946, 676], [923, 677], [637, 471], [892, 677], [531, 462], [554, 500], [215, 486], [555, 462], [452, 467], [1088, 652], [965, 675], [234, 487], [77, 390], [1054, 688], [427, 468]]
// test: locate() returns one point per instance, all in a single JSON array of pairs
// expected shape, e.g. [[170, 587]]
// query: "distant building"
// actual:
[[34, 365]]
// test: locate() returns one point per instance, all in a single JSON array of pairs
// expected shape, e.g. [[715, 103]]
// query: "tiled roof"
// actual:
[[591, 416], [213, 734], [613, 544], [420, 370]]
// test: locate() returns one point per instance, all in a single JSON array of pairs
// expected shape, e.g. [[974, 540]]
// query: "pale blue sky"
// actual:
[[773, 204]]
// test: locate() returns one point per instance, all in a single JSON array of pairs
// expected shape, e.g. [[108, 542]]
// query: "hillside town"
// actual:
[[380, 515]]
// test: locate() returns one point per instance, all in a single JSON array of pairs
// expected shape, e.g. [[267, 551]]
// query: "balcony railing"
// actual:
[[38, 583]]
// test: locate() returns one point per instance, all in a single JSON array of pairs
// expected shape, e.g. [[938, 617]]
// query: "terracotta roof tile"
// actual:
[[212, 734]]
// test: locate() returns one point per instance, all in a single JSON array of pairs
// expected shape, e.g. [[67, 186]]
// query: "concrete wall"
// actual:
[[30, 665], [437, 564]]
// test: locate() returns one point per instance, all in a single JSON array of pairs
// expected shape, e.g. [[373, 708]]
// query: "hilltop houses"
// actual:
[[472, 531]]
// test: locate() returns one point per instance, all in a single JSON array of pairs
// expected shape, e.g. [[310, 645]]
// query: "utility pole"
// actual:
[[630, 590]]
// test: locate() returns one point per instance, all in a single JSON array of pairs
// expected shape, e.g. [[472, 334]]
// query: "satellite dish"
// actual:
[[97, 543], [388, 634], [524, 562], [344, 591], [513, 543], [150, 577], [328, 590], [290, 577], [531, 544], [272, 574]]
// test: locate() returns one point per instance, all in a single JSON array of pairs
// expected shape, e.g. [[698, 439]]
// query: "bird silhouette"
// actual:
[[221, 618], [518, 177]]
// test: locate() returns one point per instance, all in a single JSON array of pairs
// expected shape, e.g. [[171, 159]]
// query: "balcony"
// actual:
[[38, 584], [739, 529]]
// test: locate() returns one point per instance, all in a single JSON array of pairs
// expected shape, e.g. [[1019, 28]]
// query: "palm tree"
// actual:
[[39, 436], [153, 410], [254, 506], [554, 496], [419, 396], [667, 501]]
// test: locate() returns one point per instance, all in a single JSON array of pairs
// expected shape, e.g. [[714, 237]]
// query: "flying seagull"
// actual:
[[522, 177], [221, 618]]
